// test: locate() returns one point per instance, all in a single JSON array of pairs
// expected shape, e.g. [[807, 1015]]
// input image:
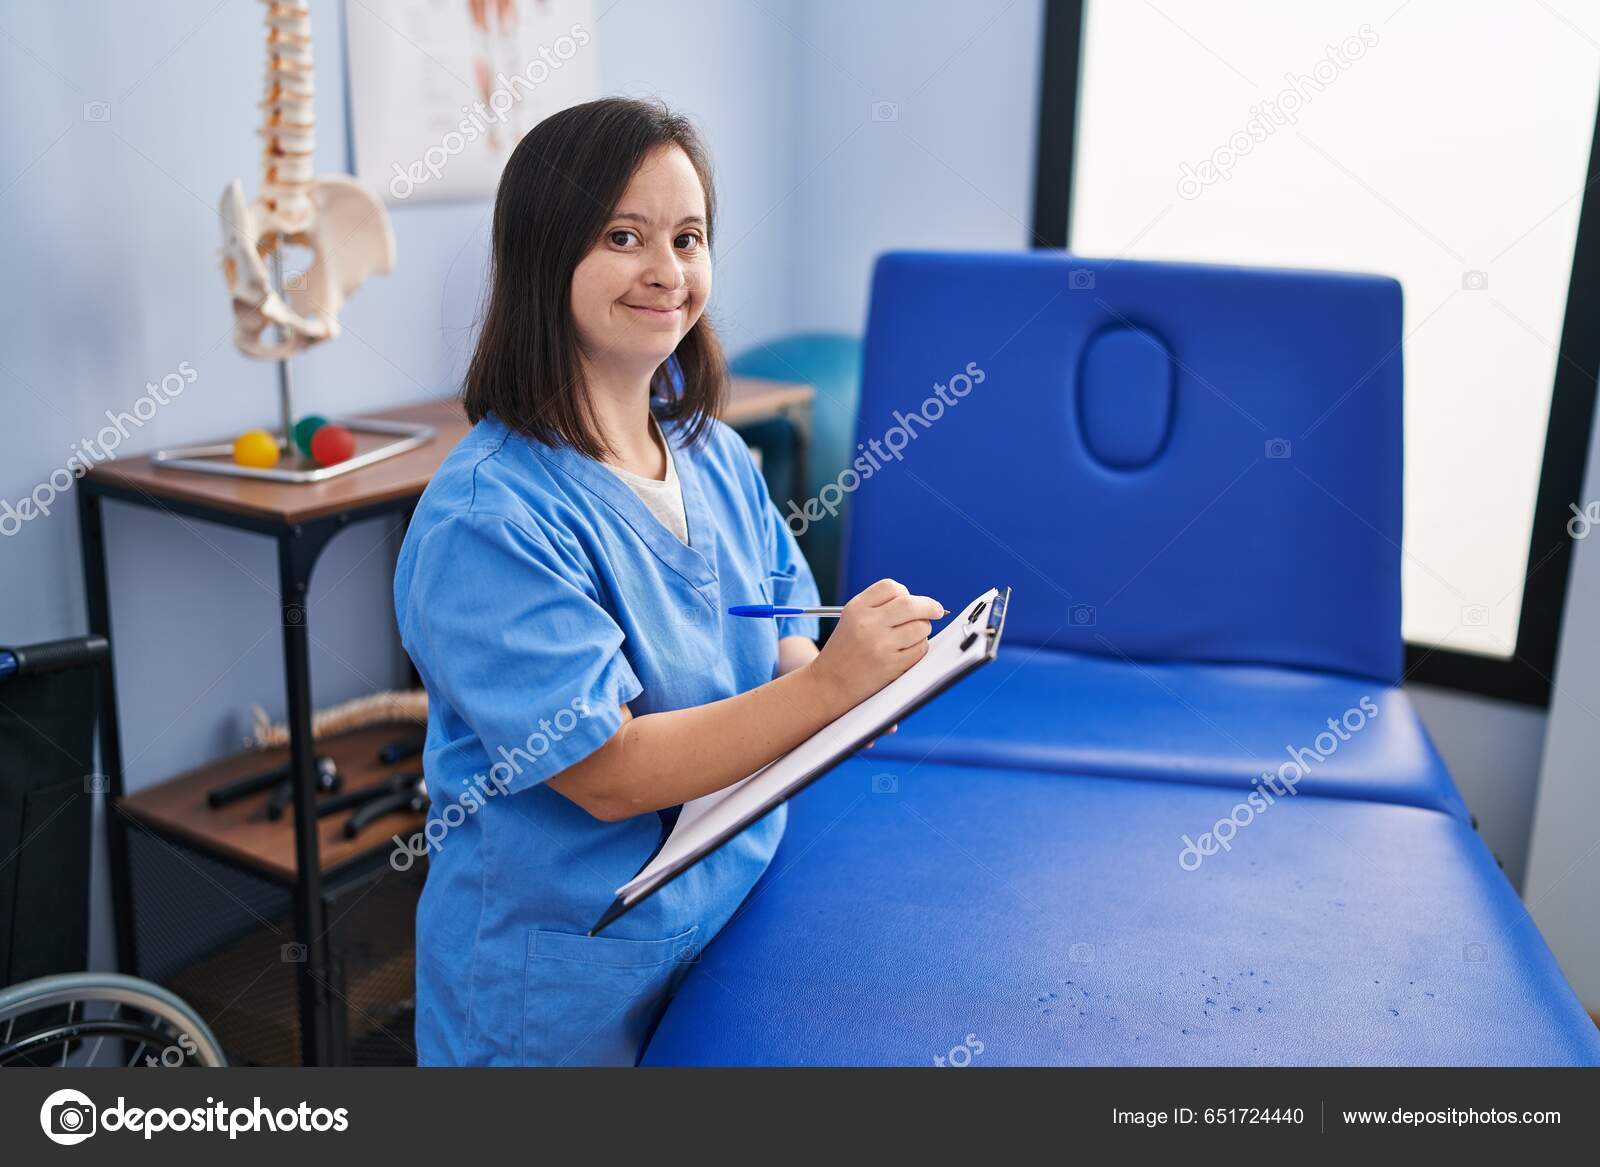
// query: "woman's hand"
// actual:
[[881, 633]]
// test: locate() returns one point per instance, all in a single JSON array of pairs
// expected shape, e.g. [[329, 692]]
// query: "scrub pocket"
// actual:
[[773, 581], [592, 1000]]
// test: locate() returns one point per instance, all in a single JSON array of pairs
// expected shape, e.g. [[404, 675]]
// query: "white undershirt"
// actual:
[[664, 497]]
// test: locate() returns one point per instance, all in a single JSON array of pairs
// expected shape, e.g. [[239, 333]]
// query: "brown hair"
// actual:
[[558, 191]]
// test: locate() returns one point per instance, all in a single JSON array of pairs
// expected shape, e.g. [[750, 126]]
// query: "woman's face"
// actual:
[[645, 283]]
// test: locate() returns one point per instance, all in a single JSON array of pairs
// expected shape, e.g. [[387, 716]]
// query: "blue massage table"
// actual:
[[1048, 916], [1190, 477]]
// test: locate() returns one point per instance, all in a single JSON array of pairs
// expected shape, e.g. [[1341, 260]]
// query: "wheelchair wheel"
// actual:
[[94, 1019]]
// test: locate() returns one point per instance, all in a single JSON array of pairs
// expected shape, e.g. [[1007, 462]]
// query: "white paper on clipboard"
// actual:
[[970, 639]]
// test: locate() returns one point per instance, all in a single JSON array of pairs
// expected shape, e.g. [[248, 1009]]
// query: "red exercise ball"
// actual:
[[332, 443]]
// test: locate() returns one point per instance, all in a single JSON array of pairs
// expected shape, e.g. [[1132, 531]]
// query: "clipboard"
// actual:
[[967, 643]]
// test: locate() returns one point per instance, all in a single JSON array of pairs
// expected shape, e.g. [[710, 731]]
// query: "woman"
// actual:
[[563, 591]]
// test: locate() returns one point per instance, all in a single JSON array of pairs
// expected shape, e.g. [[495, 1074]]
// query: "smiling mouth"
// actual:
[[653, 311]]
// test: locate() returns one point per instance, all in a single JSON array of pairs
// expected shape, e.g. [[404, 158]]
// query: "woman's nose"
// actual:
[[664, 269]]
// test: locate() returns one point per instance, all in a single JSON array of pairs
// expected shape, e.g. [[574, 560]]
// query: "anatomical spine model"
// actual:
[[345, 227]]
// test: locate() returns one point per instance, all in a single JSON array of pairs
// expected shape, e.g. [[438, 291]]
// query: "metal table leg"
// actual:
[[800, 418], [298, 549], [97, 597]]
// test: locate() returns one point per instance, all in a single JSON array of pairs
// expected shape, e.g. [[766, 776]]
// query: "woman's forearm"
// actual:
[[662, 759]]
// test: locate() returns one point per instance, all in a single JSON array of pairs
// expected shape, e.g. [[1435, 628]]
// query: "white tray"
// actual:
[[218, 458]]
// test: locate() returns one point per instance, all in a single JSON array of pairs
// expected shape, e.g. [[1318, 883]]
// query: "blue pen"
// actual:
[[772, 612]]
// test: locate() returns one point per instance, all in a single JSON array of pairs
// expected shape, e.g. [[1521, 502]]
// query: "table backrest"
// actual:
[[1163, 460]]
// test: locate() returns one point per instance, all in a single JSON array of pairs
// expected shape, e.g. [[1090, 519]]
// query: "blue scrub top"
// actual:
[[536, 593]]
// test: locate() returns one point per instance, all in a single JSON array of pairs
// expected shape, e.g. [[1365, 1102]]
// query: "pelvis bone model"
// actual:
[[340, 221]]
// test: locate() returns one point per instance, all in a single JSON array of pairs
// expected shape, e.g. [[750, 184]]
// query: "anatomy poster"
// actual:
[[442, 90]]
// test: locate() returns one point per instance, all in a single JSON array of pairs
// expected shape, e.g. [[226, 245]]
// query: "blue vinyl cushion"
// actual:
[[913, 911], [1225, 725], [1163, 461]]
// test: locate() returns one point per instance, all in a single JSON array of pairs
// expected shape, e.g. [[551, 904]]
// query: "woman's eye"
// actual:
[[688, 241], [621, 236]]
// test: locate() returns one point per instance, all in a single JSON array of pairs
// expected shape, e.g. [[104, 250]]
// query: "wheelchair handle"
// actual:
[[53, 655]]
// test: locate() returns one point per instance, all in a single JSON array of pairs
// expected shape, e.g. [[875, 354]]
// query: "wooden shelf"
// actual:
[[241, 830]]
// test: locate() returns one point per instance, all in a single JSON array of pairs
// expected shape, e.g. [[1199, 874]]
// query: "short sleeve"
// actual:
[[511, 637]]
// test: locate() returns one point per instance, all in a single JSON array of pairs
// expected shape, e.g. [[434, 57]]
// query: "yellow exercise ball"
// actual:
[[256, 448]]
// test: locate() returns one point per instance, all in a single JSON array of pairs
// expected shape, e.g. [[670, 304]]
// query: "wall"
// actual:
[[1563, 885], [911, 134]]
